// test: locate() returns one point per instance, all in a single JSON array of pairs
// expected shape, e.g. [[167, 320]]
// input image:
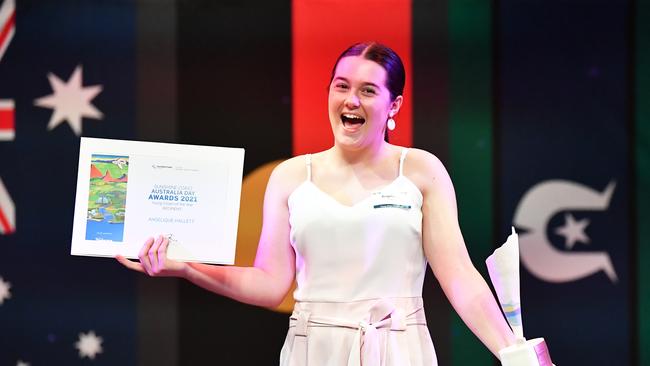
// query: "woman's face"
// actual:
[[359, 102]]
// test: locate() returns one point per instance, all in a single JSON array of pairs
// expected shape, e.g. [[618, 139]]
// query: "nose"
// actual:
[[352, 101]]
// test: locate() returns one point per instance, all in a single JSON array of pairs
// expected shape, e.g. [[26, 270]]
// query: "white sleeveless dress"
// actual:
[[359, 274]]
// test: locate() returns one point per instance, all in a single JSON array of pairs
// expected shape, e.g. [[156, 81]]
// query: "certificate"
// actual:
[[128, 191]]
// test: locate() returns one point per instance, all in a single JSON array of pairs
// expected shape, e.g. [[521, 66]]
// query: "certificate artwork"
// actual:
[[107, 197]]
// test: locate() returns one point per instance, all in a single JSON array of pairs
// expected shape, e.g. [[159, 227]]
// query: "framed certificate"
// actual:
[[128, 191]]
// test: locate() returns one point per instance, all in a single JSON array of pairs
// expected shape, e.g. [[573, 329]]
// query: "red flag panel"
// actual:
[[7, 130], [321, 31]]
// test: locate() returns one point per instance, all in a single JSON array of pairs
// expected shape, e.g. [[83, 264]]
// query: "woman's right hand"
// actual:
[[154, 261]]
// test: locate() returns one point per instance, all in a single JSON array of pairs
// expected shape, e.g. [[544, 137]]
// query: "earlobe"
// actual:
[[396, 105]]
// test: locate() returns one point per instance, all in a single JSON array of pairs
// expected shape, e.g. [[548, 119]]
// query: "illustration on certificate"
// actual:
[[107, 197]]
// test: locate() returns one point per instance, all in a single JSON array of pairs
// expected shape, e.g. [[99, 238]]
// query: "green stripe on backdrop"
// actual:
[[643, 174], [470, 29]]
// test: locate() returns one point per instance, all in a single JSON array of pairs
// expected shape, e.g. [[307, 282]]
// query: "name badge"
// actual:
[[391, 200]]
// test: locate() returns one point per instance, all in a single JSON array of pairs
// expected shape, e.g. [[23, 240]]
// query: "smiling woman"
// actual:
[[355, 226], [383, 75]]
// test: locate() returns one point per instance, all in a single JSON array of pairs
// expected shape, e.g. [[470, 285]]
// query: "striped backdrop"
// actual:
[[510, 95], [461, 60]]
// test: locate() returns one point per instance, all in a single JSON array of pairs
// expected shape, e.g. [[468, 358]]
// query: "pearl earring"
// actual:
[[390, 123]]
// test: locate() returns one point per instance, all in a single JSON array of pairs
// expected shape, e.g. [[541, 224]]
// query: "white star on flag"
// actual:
[[573, 231], [4, 290], [89, 345], [22, 363], [70, 101]]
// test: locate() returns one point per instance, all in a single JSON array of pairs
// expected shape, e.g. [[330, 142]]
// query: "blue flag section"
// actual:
[[563, 180], [69, 71]]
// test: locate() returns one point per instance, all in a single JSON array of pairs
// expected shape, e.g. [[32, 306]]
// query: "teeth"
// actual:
[[351, 116]]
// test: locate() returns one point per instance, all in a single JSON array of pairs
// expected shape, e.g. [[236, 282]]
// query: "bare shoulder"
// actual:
[[287, 175], [426, 171], [423, 163]]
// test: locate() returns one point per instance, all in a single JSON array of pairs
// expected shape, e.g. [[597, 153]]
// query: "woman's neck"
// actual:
[[363, 156]]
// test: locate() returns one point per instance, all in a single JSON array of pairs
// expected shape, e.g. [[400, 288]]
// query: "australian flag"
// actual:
[[66, 70]]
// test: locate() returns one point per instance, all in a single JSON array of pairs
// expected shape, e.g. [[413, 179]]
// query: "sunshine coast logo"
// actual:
[[534, 213]]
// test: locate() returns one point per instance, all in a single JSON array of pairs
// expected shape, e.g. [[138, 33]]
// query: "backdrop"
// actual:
[[538, 108]]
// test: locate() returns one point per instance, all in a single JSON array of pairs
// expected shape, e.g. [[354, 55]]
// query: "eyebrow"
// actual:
[[348, 81]]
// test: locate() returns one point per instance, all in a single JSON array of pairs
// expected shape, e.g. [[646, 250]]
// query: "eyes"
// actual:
[[369, 90], [365, 90]]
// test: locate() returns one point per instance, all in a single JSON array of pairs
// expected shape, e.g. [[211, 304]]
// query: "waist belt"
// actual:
[[365, 349]]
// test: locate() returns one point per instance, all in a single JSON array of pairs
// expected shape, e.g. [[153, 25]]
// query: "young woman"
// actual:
[[355, 226]]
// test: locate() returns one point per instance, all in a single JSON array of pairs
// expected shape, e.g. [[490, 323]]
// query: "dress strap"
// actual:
[[401, 160], [308, 163]]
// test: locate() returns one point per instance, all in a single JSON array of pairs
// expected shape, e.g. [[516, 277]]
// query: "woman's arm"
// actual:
[[264, 284], [445, 250]]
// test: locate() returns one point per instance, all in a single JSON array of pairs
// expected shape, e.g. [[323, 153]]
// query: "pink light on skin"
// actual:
[[359, 103]]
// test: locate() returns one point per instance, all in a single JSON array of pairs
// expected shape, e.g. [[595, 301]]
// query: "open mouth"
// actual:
[[352, 120]]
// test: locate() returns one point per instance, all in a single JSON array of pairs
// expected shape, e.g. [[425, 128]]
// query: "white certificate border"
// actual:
[[232, 157]]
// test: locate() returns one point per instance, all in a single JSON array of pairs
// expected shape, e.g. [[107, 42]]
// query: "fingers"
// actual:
[[153, 255], [130, 264], [162, 253], [144, 256]]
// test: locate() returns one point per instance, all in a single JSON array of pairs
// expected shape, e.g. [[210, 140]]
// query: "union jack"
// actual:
[[7, 212], [7, 24], [7, 30], [7, 130]]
